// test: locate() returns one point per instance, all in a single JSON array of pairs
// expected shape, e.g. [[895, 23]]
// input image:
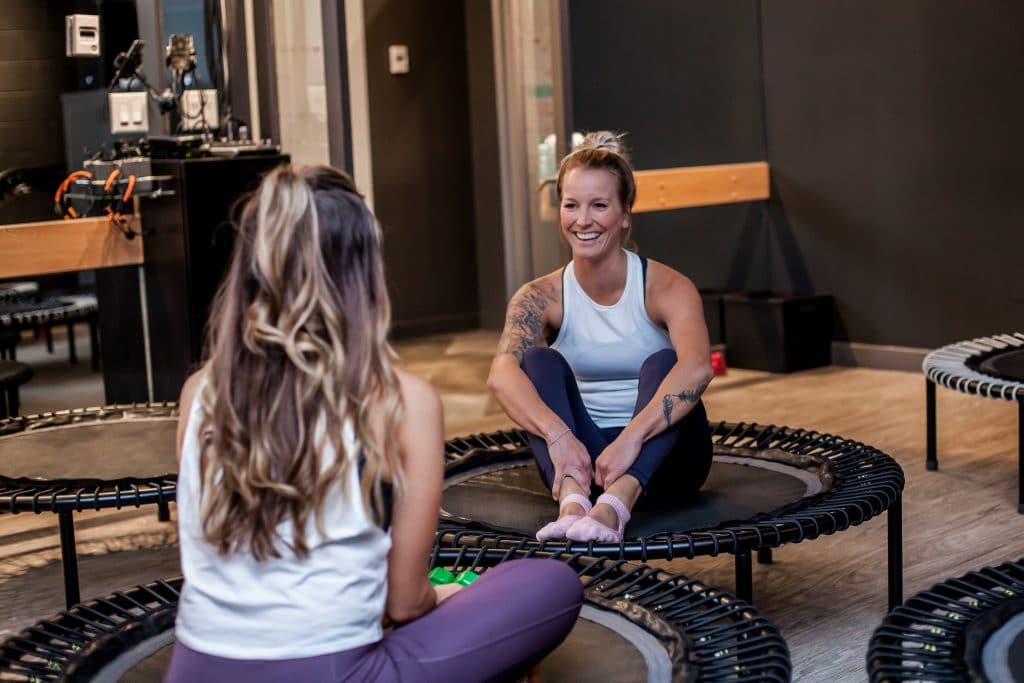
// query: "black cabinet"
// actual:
[[187, 245], [778, 332]]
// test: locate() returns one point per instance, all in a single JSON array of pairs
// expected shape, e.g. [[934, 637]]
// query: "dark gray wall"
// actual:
[[422, 166], [683, 80], [483, 116], [892, 130], [897, 157]]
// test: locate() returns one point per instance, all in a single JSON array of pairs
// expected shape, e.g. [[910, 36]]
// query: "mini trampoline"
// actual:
[[965, 629], [21, 313], [73, 460], [646, 625], [992, 367], [768, 486], [18, 290]]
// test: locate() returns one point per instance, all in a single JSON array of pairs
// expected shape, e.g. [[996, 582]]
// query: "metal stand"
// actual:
[[932, 462], [163, 512], [896, 552], [744, 576], [1020, 457], [69, 557], [764, 556]]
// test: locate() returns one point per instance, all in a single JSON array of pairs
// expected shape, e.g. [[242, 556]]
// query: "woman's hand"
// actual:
[[447, 590], [616, 458], [570, 457]]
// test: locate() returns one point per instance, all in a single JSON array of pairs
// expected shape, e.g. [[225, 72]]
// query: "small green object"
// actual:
[[439, 576], [466, 577]]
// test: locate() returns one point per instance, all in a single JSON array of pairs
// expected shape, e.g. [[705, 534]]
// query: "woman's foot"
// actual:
[[610, 514], [573, 506]]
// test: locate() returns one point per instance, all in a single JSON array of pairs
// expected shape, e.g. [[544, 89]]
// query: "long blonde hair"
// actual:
[[297, 350]]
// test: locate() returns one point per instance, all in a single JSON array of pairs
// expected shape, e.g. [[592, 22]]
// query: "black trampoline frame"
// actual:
[[866, 483], [67, 496], [727, 639], [73, 308], [899, 652], [991, 387]]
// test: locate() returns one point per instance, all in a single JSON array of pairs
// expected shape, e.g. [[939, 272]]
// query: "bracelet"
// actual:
[[555, 440]]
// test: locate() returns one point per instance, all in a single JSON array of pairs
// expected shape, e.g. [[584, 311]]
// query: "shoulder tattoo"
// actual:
[[524, 322], [684, 396]]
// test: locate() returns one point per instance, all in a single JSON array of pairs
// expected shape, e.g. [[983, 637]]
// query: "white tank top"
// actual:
[[283, 608], [606, 345]]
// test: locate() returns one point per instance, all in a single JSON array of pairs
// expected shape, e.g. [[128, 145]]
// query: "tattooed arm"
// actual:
[[531, 313], [674, 302]]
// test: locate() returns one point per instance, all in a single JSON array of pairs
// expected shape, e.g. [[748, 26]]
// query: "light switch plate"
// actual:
[[129, 112], [198, 109], [398, 59]]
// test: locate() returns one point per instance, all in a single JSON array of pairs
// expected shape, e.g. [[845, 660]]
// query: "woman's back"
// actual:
[[284, 607]]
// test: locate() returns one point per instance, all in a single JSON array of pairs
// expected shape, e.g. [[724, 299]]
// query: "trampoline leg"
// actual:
[[48, 333], [163, 511], [896, 552], [69, 557], [94, 344], [744, 577], [764, 556], [932, 461], [1020, 458], [72, 353]]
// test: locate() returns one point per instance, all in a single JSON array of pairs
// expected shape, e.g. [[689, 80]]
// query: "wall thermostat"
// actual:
[[82, 37]]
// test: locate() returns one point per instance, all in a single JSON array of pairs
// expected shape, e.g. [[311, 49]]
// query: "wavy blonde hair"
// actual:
[[297, 350]]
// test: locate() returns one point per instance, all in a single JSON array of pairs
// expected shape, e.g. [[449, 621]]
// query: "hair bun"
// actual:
[[604, 139]]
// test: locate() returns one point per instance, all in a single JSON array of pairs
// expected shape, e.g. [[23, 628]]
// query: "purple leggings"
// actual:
[[681, 455], [496, 629]]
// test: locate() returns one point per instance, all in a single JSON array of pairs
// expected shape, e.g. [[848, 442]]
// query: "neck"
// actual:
[[604, 278]]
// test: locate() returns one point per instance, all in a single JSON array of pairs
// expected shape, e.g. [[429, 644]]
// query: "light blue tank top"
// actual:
[[606, 345]]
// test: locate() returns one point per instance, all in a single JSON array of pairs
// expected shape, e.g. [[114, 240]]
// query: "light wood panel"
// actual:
[[677, 188], [64, 246]]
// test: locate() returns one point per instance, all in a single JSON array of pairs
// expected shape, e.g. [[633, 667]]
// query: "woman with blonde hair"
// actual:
[[310, 477], [613, 403]]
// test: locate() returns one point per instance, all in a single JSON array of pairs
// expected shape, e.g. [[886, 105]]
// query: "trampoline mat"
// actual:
[[514, 499], [140, 448], [1008, 365], [628, 653], [994, 642]]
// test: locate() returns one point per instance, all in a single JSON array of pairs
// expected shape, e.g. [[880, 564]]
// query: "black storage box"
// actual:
[[713, 315], [778, 332]]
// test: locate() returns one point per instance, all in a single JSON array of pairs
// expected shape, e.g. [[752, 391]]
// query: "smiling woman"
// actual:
[[614, 399]]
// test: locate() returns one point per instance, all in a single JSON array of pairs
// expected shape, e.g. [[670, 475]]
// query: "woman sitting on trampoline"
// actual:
[[614, 400], [292, 440]]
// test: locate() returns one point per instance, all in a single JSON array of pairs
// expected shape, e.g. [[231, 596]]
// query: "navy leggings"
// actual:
[[680, 455], [493, 630]]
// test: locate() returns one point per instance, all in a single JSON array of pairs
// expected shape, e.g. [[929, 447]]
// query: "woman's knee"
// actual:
[[659, 362], [554, 582], [540, 359]]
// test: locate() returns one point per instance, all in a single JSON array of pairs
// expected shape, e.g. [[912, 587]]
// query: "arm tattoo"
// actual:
[[524, 322], [686, 396]]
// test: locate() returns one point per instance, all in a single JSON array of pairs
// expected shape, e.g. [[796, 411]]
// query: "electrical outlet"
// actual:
[[398, 59], [129, 112], [198, 110]]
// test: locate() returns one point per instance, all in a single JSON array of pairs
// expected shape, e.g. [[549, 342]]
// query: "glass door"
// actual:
[[533, 111]]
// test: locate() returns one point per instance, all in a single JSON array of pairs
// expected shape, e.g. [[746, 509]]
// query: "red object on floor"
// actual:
[[718, 363]]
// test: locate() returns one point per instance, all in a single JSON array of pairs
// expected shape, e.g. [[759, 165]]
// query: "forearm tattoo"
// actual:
[[685, 396], [524, 323]]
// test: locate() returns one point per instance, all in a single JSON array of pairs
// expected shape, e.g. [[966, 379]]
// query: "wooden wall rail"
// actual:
[[63, 246], [677, 188]]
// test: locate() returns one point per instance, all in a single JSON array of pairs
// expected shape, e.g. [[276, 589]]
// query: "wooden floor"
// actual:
[[825, 595]]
